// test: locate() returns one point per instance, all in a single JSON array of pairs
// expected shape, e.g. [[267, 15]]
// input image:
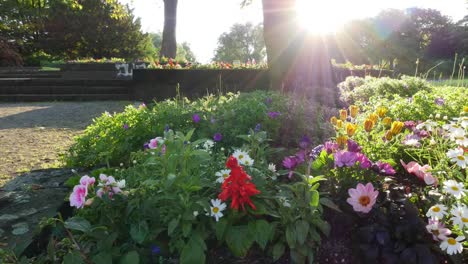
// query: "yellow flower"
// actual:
[[333, 120], [368, 125], [343, 114], [353, 111], [374, 118], [465, 109], [339, 124], [396, 127], [342, 140], [350, 129], [381, 111], [387, 121], [388, 135]]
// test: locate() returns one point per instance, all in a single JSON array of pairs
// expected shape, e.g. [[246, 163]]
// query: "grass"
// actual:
[[453, 82], [45, 68]]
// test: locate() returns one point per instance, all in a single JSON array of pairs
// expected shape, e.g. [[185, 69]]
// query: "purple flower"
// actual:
[[385, 168], [217, 137], [330, 146], [142, 105], [410, 125], [163, 149], [345, 158], [146, 146], [166, 128], [258, 127], [305, 142], [300, 157], [353, 146], [274, 114], [412, 140], [364, 161], [290, 162], [125, 126], [421, 133], [439, 101], [315, 152], [196, 118], [155, 250]]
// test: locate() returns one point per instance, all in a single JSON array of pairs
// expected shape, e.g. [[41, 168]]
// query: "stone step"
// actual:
[[5, 90], [62, 97]]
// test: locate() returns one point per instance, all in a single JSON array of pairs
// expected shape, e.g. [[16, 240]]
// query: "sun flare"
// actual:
[[321, 17]]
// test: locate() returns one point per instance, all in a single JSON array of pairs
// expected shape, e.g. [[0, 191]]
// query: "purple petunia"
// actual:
[[217, 137], [330, 147], [290, 163], [385, 168], [439, 101], [125, 126], [345, 158], [196, 118], [353, 146], [410, 125], [274, 114]]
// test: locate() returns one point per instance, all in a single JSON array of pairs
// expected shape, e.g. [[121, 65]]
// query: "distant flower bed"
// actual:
[[174, 64], [92, 60]]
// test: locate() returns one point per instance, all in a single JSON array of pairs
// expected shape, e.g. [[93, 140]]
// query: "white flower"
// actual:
[[121, 184], [429, 125], [284, 201], [134, 162], [437, 116], [461, 220], [454, 188], [242, 157], [445, 117], [272, 167], [195, 213], [437, 211], [222, 175], [217, 208], [457, 156], [452, 245], [121, 164], [208, 144], [462, 142], [411, 142], [73, 170], [459, 210]]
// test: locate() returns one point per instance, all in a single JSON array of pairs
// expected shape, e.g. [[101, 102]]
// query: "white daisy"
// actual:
[[462, 142], [461, 220], [454, 188], [121, 184], [208, 144], [217, 208], [247, 161], [452, 245], [437, 211], [459, 210], [272, 167], [457, 133], [222, 175], [241, 156], [457, 156], [195, 213]]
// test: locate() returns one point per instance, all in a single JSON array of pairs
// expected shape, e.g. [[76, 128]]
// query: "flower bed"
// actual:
[[214, 181]]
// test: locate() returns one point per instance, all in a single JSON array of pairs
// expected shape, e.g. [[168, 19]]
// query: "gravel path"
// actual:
[[33, 135]]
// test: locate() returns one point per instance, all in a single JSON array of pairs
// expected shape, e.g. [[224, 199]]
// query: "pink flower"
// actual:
[[345, 158], [363, 197], [420, 171], [385, 168], [86, 180], [364, 161], [78, 196], [438, 230]]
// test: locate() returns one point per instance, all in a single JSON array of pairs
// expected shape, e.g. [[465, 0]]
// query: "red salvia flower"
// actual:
[[238, 186]]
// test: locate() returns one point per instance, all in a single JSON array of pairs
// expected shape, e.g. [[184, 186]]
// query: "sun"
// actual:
[[321, 16]]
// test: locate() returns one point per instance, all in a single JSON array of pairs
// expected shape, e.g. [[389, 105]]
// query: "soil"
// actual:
[[33, 135]]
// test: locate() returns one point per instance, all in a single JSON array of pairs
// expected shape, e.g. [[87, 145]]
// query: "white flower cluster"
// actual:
[[243, 157]]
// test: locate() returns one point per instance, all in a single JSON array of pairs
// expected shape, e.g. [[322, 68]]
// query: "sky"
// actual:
[[201, 22]]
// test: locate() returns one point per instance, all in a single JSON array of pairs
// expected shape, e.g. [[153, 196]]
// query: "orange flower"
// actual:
[[353, 111], [339, 124], [381, 111], [396, 127], [374, 117], [368, 125], [342, 140], [343, 114], [350, 129], [387, 121], [333, 120], [388, 135]]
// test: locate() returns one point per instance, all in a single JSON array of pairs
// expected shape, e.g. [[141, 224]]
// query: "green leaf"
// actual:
[[297, 257], [139, 231], [220, 229], [192, 253], [239, 240], [278, 251], [315, 235], [102, 257], [291, 236], [330, 204], [314, 201], [131, 257], [186, 228], [172, 225], [263, 233], [302, 229], [313, 180], [322, 225], [78, 223], [73, 258]]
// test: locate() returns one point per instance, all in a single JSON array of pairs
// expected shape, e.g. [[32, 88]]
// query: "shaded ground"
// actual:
[[33, 135]]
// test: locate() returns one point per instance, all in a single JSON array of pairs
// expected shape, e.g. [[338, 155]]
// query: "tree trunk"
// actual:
[[169, 43], [279, 33]]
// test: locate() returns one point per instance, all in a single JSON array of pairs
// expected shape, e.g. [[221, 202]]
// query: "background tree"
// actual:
[[169, 43], [243, 42], [184, 52]]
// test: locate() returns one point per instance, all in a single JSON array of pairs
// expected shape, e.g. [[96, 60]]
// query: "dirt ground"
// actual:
[[34, 135]]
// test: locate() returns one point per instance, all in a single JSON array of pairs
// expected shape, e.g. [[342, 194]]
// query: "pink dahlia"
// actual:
[[78, 196], [363, 197], [86, 180]]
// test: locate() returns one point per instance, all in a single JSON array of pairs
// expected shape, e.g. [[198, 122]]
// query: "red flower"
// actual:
[[238, 186]]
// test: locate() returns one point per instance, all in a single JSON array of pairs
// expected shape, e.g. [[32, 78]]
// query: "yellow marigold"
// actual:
[[353, 111], [339, 124], [465, 109], [368, 125], [387, 121], [342, 140], [350, 129], [333, 120], [388, 135], [396, 127], [381, 111], [343, 114], [374, 118]]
